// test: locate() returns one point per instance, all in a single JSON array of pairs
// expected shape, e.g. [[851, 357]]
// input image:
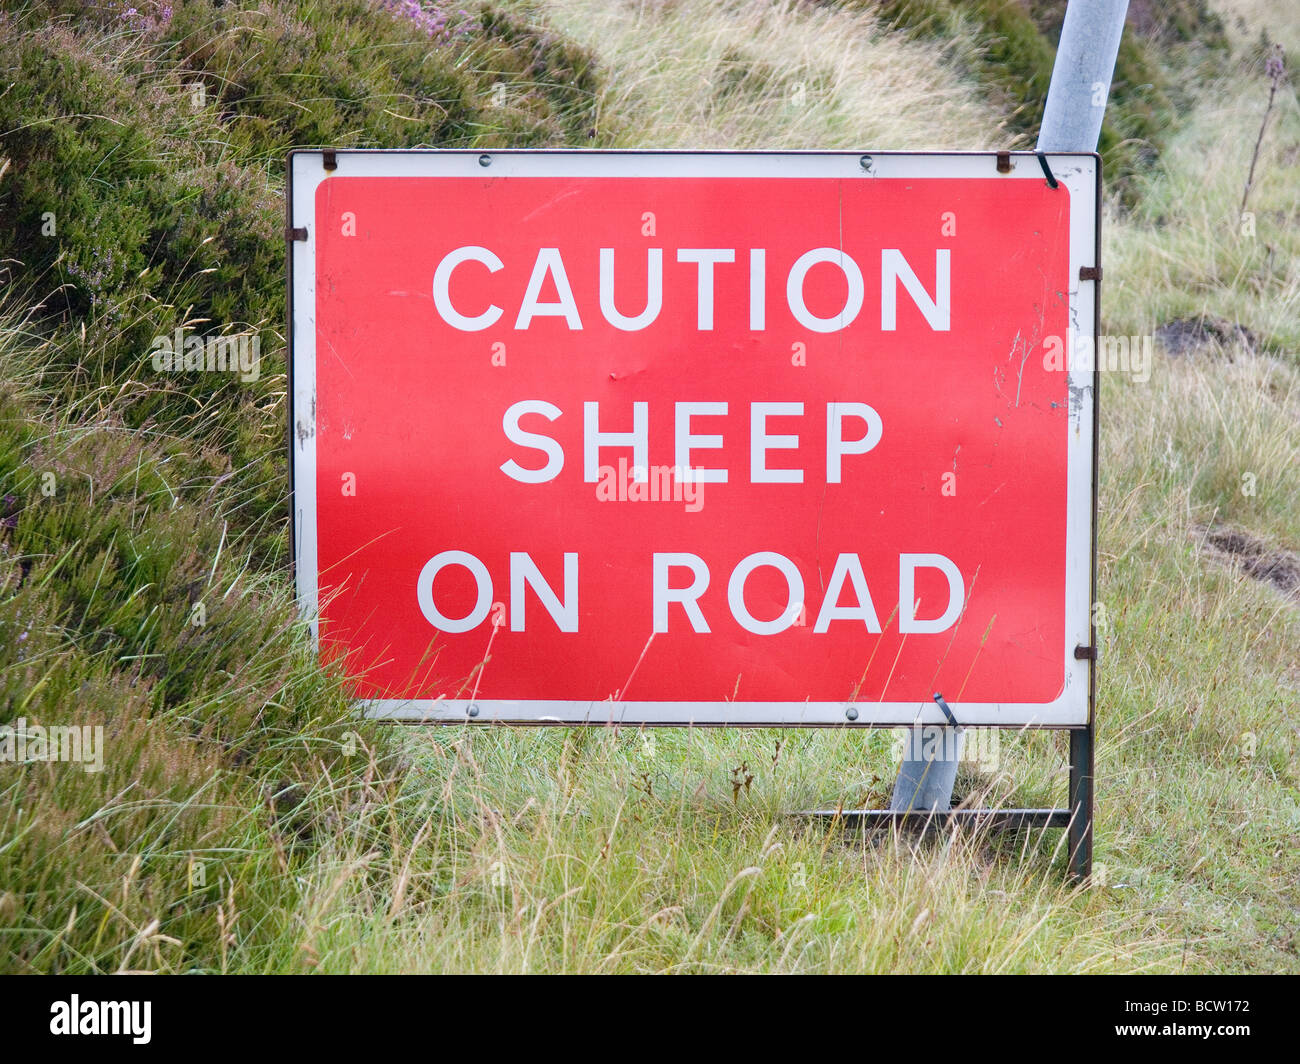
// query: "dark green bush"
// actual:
[[134, 204], [145, 185]]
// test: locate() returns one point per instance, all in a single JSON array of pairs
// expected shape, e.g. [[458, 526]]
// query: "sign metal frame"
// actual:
[[1080, 172]]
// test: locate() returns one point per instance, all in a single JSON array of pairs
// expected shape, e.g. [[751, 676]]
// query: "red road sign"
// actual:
[[715, 438]]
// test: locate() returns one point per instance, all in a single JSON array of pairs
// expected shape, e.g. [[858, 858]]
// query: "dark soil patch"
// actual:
[[1270, 565], [1188, 336]]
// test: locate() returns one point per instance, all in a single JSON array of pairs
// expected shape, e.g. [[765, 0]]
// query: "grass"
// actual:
[[770, 75], [245, 822]]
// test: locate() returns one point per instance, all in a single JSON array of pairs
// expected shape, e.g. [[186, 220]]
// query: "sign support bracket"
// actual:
[[922, 797]]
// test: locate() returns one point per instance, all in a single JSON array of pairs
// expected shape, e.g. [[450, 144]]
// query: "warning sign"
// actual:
[[696, 438]]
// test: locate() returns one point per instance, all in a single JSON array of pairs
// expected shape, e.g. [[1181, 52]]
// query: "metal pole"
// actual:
[[1081, 774], [929, 767], [1072, 117], [1085, 61], [928, 771]]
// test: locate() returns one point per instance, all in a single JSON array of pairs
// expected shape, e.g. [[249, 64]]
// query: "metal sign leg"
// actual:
[[1081, 801]]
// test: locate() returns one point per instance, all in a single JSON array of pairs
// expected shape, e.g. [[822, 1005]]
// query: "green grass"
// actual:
[[1007, 48], [244, 821]]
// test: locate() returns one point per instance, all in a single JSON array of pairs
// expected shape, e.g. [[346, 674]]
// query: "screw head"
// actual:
[[473, 710], [851, 713], [865, 163], [485, 160]]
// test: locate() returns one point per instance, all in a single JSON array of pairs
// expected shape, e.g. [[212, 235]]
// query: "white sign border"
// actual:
[[1080, 173]]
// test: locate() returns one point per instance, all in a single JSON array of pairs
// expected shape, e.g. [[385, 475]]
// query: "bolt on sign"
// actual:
[[710, 438]]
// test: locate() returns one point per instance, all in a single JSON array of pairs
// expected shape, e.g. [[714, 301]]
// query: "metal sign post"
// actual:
[[1072, 121], [764, 439]]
